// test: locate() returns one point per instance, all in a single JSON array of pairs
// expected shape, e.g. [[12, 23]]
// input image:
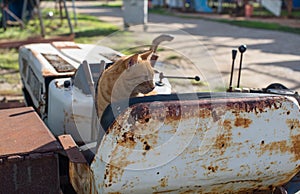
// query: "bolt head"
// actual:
[[67, 84]]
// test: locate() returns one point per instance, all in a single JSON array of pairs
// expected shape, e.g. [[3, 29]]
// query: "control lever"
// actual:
[[155, 43], [234, 52], [242, 49], [158, 40], [161, 76]]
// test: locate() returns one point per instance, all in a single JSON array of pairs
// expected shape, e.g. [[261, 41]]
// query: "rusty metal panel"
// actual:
[[217, 145], [28, 158], [22, 132], [30, 174], [12, 103], [59, 63], [71, 149]]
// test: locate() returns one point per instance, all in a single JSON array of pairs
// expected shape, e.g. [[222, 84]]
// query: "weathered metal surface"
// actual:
[[42, 67], [65, 45], [11, 103], [42, 63], [70, 109], [31, 40], [59, 63], [79, 171], [22, 132], [221, 145], [30, 174], [72, 150], [28, 162]]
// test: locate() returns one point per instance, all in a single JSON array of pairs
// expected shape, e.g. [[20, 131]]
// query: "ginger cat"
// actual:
[[127, 77]]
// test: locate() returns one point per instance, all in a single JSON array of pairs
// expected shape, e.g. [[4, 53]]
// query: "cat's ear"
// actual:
[[146, 54], [132, 60]]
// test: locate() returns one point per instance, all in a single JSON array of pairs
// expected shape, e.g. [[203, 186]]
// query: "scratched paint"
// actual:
[[216, 145]]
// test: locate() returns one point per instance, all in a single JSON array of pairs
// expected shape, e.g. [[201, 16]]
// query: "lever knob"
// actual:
[[242, 48], [234, 52]]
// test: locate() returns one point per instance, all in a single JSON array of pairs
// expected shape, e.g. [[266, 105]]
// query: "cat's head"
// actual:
[[139, 72]]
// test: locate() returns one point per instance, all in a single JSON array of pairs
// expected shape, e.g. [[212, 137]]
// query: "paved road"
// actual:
[[271, 56]]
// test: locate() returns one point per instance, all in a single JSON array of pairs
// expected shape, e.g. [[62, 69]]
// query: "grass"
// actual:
[[173, 57], [9, 59], [161, 11], [11, 77], [112, 4], [87, 26], [88, 30], [259, 12], [260, 25]]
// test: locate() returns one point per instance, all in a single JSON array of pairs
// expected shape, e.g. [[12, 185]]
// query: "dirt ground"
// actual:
[[271, 57]]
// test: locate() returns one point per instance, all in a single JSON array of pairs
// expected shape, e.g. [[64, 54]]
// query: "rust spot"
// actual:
[[223, 141], [187, 192], [278, 146], [258, 173], [146, 146], [150, 140], [293, 123], [127, 140], [256, 106], [296, 146], [114, 172], [227, 125], [163, 182], [242, 122], [213, 168], [118, 161], [58, 63], [79, 118], [140, 113], [174, 111], [46, 73], [56, 84], [204, 113]]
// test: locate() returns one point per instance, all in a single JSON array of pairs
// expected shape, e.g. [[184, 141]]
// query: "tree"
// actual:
[[165, 3], [289, 6]]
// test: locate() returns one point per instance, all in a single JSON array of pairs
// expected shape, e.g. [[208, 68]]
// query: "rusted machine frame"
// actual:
[[129, 155], [28, 153]]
